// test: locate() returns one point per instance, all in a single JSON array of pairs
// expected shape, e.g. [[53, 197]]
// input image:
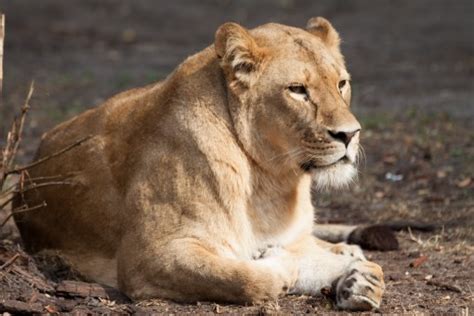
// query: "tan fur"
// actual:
[[185, 180]]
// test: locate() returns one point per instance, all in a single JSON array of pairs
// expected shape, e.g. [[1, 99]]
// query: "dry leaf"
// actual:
[[379, 194], [418, 261], [464, 183], [423, 192], [389, 159], [441, 174], [51, 309], [129, 35]]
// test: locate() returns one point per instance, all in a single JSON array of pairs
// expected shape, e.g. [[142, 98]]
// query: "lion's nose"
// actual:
[[345, 137]]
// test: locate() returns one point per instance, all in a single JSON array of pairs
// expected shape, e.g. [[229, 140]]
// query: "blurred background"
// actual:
[[412, 65], [403, 55]]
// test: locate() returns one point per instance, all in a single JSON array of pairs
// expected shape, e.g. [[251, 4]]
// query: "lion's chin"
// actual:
[[335, 176]]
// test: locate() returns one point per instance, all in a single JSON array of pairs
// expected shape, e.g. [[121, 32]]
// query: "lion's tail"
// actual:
[[372, 237]]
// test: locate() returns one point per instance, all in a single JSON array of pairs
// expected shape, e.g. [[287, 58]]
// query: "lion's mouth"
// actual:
[[311, 164]]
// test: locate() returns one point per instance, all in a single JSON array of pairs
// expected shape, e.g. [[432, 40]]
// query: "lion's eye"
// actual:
[[299, 92], [342, 84], [298, 88]]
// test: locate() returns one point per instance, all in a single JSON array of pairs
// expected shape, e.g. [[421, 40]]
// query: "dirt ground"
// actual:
[[412, 64]]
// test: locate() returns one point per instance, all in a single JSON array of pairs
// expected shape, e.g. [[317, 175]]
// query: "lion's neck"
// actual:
[[280, 208]]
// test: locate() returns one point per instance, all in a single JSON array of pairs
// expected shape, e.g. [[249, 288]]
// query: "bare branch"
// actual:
[[17, 211], [40, 161], [14, 138], [2, 39], [40, 185], [19, 130], [9, 153], [8, 200], [33, 186], [11, 188], [45, 178], [6, 155]]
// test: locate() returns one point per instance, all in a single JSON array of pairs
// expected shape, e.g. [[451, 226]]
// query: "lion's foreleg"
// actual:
[[188, 270]]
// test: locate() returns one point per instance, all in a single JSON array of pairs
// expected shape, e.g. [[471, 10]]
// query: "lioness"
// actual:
[[198, 187]]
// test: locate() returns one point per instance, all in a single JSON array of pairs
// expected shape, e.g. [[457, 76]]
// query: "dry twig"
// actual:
[[33, 186], [445, 286], [17, 211], [35, 180], [14, 138], [2, 39], [9, 261], [9, 153], [413, 238], [40, 161], [21, 124]]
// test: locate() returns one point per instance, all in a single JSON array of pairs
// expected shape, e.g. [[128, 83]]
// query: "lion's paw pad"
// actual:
[[361, 288]]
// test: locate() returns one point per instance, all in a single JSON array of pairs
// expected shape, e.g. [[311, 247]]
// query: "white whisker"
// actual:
[[361, 156], [292, 153]]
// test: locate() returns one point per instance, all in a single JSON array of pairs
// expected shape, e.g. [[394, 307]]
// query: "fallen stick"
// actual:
[[445, 286], [9, 261], [18, 307], [70, 288]]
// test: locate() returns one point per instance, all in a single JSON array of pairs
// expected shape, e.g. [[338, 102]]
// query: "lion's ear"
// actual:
[[239, 53], [321, 27]]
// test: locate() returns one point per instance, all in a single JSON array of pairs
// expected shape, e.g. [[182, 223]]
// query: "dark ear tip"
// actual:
[[374, 237]]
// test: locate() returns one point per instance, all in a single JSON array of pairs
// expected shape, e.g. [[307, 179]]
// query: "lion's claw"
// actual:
[[361, 288]]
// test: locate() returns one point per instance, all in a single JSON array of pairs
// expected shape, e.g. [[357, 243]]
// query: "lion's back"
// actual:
[[78, 185]]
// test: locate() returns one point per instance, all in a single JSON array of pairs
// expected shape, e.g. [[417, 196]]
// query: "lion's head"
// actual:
[[289, 94]]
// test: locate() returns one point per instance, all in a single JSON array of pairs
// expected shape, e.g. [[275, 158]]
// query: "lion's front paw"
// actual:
[[348, 250], [361, 288], [281, 262]]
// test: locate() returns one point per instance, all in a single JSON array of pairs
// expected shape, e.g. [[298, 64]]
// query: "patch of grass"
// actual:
[[376, 121], [123, 81], [153, 77], [74, 108]]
